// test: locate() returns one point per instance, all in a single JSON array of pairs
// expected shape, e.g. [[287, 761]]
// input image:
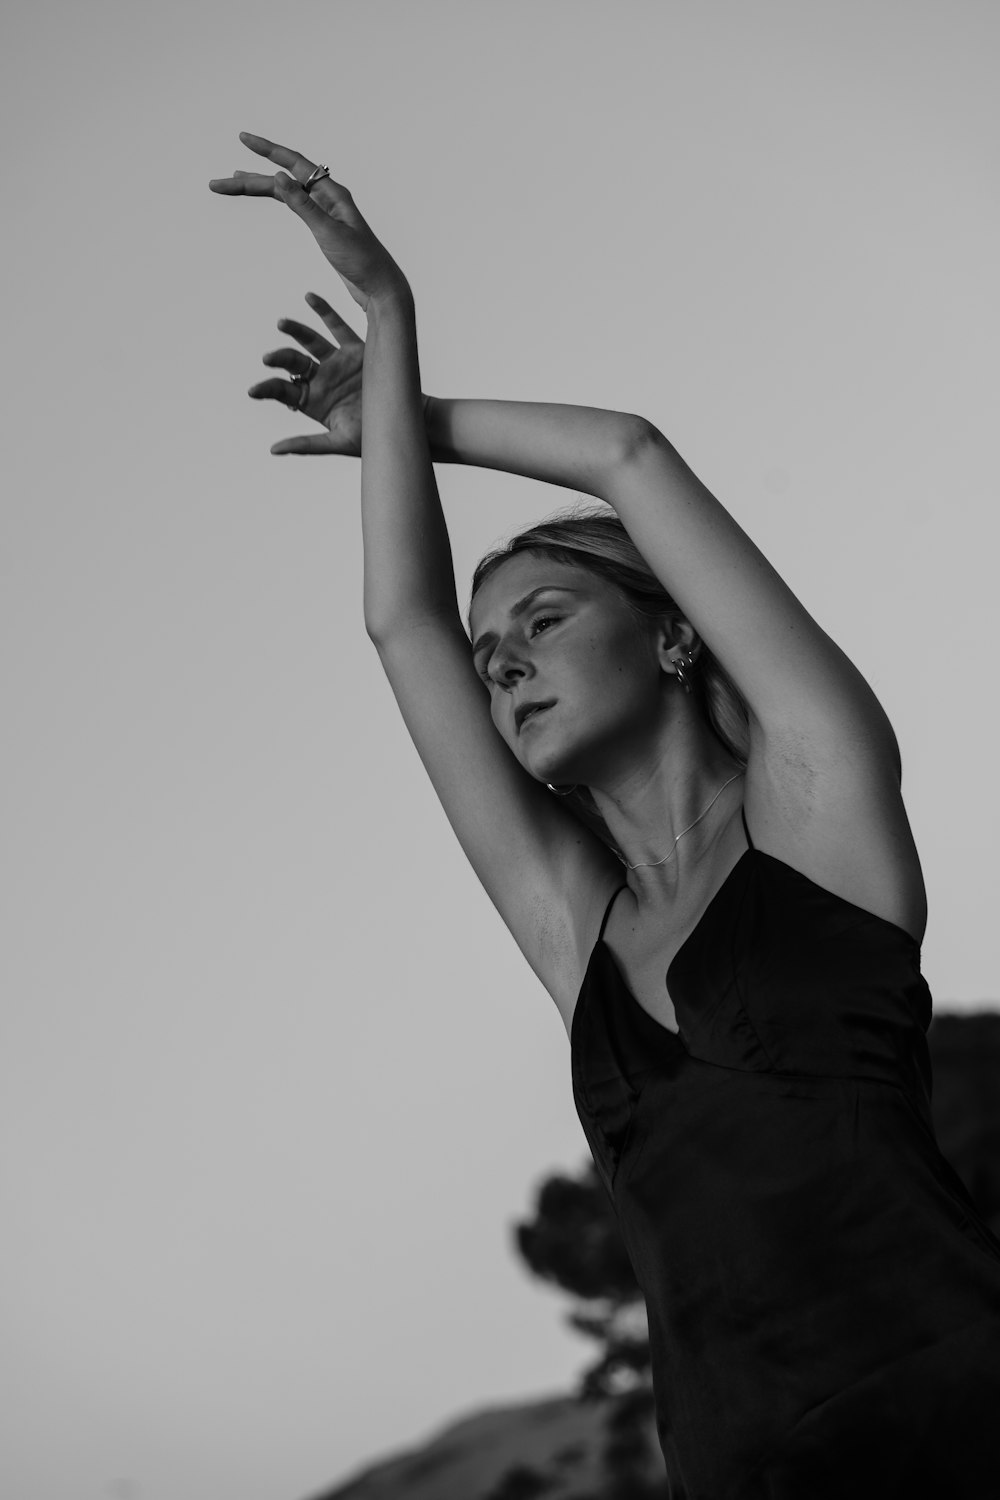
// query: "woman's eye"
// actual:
[[541, 622]]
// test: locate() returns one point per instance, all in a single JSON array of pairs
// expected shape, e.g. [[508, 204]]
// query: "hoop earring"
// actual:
[[683, 665], [567, 793]]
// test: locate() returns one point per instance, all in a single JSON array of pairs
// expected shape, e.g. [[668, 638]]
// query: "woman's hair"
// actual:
[[593, 538]]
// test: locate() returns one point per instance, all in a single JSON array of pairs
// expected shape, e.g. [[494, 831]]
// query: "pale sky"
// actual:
[[276, 1082]]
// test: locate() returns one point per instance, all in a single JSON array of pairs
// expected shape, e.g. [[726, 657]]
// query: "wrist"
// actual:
[[437, 426], [391, 302]]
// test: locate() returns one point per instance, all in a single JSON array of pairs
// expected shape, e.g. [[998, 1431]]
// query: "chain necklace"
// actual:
[[652, 864]]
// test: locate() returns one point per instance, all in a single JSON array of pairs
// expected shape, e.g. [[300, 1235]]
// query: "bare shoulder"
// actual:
[[824, 778], [825, 797], [547, 874], [579, 925]]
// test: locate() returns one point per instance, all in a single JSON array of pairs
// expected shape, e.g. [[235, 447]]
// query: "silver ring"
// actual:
[[302, 382], [316, 175]]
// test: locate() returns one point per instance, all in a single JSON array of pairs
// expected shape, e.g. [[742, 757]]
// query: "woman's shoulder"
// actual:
[[838, 819], [584, 924]]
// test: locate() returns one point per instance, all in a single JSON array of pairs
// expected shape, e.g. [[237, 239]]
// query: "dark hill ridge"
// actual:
[[556, 1448], [562, 1448]]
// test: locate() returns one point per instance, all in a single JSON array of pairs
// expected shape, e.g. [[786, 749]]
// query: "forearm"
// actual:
[[407, 554], [578, 447]]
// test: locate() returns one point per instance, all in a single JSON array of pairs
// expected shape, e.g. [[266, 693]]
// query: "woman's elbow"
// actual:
[[634, 436]]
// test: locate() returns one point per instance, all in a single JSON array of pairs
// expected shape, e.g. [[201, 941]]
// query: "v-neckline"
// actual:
[[600, 943], [677, 1036]]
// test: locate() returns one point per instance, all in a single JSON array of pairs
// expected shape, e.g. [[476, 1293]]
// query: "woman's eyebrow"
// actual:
[[489, 636]]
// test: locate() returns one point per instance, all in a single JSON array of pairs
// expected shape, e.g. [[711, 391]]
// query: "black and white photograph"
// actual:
[[501, 993]]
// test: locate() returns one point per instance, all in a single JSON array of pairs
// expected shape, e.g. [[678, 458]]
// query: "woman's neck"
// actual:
[[666, 812]]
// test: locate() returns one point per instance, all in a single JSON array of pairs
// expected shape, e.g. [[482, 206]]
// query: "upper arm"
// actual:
[[824, 771], [787, 668], [545, 872]]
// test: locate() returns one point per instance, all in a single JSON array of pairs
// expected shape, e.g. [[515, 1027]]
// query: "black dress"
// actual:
[[823, 1298]]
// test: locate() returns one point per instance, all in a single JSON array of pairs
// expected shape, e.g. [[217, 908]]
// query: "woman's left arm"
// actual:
[[823, 781], [793, 676], [786, 667]]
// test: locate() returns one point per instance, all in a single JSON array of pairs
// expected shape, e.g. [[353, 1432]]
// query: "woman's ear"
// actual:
[[677, 640]]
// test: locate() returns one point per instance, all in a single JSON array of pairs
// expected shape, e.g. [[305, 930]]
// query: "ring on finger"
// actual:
[[301, 383], [316, 175]]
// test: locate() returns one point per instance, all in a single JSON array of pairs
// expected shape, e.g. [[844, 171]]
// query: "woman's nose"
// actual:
[[507, 667]]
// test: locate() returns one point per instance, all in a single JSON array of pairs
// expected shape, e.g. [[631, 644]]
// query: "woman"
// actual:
[[659, 765]]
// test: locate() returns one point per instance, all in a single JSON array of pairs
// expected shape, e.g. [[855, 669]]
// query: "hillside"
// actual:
[[556, 1448]]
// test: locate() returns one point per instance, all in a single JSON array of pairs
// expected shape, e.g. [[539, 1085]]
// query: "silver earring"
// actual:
[[683, 665], [567, 793]]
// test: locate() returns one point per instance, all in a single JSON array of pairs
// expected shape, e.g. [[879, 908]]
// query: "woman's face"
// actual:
[[575, 678]]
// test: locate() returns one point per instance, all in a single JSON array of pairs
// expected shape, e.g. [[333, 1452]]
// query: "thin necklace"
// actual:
[[651, 864]]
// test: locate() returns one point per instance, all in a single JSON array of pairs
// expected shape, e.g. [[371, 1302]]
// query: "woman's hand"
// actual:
[[325, 383], [363, 264]]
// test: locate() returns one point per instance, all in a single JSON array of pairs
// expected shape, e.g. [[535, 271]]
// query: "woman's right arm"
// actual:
[[548, 875], [408, 575], [408, 567]]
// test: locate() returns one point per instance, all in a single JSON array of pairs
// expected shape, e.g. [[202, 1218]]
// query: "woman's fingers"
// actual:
[[292, 360], [299, 166], [286, 189], [316, 344], [286, 391], [342, 332], [329, 194], [313, 442], [244, 184], [302, 203], [329, 212]]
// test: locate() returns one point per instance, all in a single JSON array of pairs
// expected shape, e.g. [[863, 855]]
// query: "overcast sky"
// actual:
[[276, 1082]]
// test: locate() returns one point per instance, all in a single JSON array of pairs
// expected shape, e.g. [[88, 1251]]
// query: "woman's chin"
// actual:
[[550, 763], [553, 771]]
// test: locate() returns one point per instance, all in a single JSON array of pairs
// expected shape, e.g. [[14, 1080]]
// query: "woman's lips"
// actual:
[[532, 713]]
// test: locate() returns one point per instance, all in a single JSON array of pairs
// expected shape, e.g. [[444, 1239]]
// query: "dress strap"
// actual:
[[743, 815], [607, 909]]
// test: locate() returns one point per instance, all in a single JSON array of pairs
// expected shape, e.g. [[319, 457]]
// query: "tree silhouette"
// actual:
[[573, 1239]]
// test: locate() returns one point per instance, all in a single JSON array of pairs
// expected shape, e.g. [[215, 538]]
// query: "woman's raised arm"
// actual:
[[408, 570], [823, 780], [578, 447], [408, 566], [548, 876]]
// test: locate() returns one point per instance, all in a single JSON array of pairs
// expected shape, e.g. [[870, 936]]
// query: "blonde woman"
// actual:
[[684, 801]]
